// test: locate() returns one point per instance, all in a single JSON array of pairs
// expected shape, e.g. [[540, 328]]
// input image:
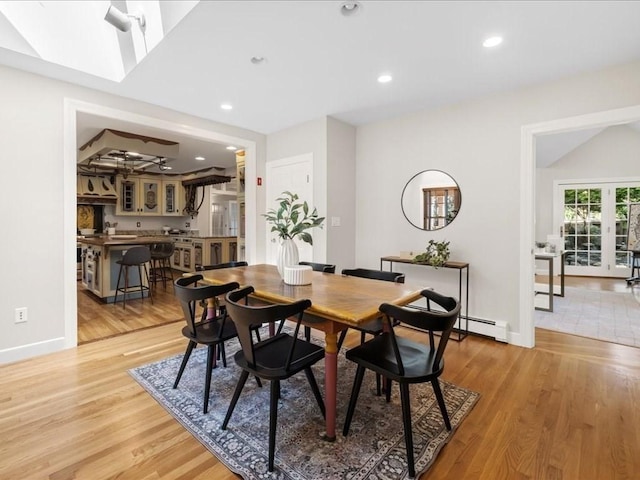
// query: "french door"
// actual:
[[593, 219]]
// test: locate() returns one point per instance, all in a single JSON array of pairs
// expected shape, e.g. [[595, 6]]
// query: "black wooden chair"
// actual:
[[320, 267], [203, 268], [406, 361], [137, 257], [373, 327], [276, 358], [317, 267], [203, 327]]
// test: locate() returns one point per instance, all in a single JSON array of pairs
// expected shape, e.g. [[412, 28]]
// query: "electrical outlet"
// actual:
[[187, 225], [21, 315], [138, 224]]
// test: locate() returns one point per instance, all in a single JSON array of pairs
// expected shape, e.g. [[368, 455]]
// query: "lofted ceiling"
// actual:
[[316, 60]]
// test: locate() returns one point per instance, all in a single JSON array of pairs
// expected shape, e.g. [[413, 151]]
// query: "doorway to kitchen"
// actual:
[[75, 108]]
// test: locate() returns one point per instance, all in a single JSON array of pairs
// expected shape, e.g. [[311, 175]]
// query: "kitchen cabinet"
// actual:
[[198, 252], [172, 197], [100, 270], [139, 196], [96, 186], [183, 255], [190, 252]]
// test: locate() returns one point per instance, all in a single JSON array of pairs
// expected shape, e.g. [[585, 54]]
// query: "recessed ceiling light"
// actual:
[[385, 78], [226, 106], [258, 60], [200, 158], [231, 147], [492, 42], [350, 8]]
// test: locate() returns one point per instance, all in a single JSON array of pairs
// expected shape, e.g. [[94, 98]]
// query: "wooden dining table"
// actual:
[[337, 303]]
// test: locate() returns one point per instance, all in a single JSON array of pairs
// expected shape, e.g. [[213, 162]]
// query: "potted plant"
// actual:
[[291, 219], [436, 254]]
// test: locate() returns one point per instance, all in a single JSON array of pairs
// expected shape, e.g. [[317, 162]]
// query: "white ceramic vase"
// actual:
[[287, 255]]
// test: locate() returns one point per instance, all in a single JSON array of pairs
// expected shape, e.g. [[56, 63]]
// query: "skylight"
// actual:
[[76, 35]]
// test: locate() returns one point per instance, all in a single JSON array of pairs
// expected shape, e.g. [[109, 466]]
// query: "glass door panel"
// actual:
[[594, 227], [582, 227]]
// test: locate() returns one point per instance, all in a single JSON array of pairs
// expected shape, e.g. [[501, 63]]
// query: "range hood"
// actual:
[[96, 190], [116, 152]]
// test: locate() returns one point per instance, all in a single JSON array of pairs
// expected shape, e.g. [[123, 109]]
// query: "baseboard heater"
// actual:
[[497, 329]]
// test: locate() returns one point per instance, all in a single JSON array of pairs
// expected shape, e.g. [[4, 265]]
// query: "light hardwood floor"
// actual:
[[98, 320], [566, 409]]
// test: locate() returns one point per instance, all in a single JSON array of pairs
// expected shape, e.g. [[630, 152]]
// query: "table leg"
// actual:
[[330, 384]]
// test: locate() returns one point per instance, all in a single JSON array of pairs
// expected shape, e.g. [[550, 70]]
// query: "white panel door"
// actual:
[[292, 174]]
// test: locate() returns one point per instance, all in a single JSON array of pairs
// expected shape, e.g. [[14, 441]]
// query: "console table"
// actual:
[[460, 266], [549, 257]]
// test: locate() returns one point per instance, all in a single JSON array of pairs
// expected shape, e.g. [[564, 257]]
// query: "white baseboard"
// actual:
[[489, 328], [23, 352]]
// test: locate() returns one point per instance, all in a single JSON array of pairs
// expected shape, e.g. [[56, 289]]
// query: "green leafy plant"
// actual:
[[293, 218], [436, 254]]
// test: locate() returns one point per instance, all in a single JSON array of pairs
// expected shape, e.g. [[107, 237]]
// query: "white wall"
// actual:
[[33, 191], [613, 153], [341, 194], [478, 143]]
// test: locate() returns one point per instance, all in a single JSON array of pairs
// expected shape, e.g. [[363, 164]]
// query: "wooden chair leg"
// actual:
[[387, 389], [355, 391], [236, 394], [406, 420], [273, 420], [185, 359], [343, 335], [316, 391], [207, 383], [443, 408]]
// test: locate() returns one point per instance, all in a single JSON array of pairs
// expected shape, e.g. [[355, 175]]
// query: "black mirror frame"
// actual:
[[405, 188]]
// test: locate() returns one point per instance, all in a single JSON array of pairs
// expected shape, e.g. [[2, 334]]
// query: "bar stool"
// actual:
[[134, 257], [161, 254]]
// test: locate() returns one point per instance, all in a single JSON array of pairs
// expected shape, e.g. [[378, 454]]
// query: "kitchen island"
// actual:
[[99, 254]]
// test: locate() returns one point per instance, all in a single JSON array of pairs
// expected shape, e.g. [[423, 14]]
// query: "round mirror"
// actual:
[[431, 200]]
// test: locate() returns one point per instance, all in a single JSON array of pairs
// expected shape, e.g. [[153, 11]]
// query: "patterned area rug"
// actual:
[[374, 448]]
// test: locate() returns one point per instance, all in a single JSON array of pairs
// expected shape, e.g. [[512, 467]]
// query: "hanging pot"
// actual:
[[287, 255]]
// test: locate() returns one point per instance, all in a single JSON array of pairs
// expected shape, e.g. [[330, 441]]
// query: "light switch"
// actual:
[[335, 221]]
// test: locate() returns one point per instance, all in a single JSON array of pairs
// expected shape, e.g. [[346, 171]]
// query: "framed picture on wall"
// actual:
[[633, 233]]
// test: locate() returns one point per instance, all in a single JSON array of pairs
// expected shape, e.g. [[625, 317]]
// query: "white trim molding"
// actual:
[[620, 116]]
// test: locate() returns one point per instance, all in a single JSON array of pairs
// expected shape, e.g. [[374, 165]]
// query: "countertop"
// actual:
[[106, 240]]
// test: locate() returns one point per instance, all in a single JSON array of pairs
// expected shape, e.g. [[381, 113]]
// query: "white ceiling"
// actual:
[[320, 62]]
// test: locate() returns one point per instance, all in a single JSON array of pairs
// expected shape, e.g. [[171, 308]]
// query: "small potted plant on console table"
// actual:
[[436, 254]]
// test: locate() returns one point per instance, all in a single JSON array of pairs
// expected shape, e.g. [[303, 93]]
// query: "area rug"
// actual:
[[374, 448]]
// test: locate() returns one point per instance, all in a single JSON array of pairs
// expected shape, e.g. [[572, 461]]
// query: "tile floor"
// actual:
[[612, 316]]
